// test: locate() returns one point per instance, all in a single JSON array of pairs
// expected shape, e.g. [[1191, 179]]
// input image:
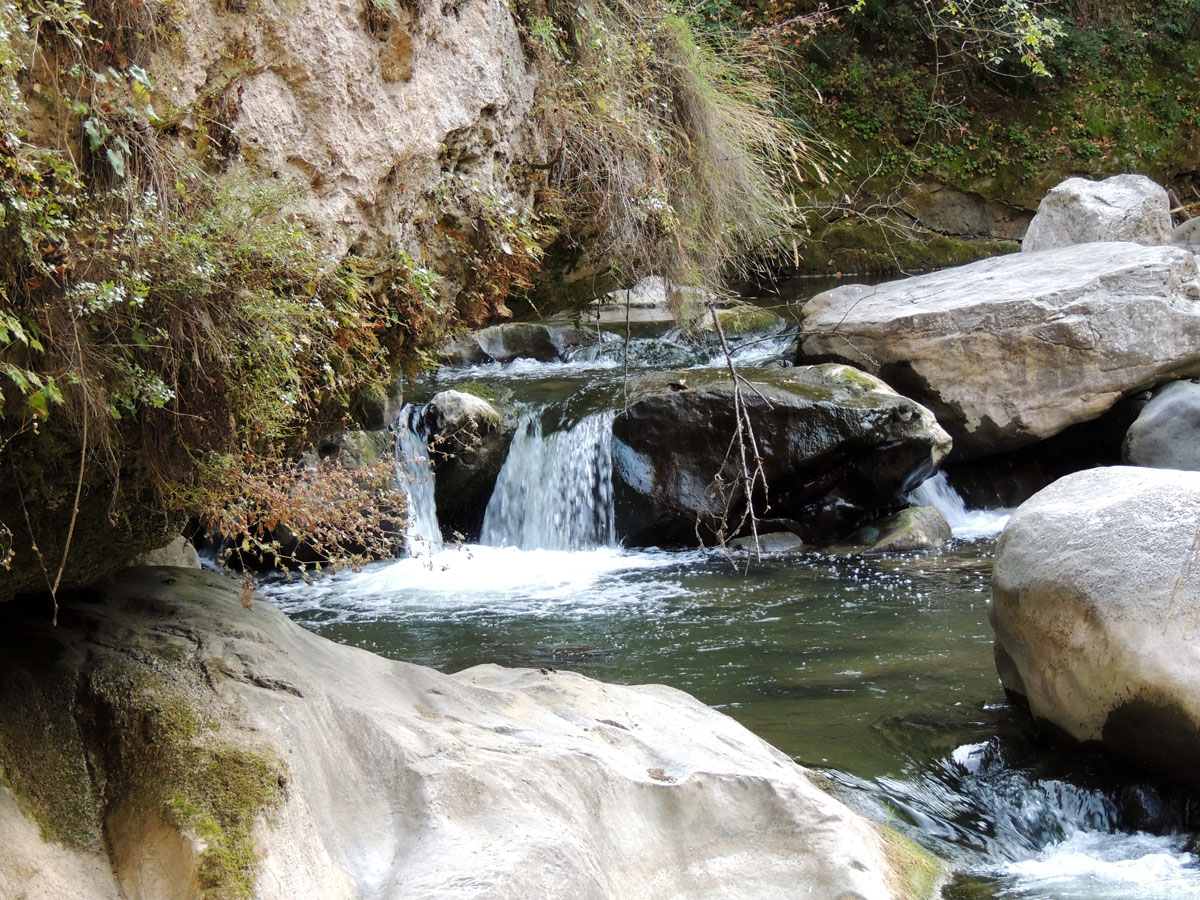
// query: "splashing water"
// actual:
[[415, 477], [555, 491], [965, 524]]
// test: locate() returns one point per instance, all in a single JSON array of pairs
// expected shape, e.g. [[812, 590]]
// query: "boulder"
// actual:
[[949, 211], [179, 553], [772, 543], [515, 340], [1011, 350], [1188, 234], [915, 528], [1095, 590], [836, 445], [468, 441], [648, 308], [1122, 208], [170, 745], [1166, 434], [351, 449]]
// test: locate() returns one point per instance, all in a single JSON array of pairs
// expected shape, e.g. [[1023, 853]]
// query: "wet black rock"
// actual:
[[837, 445]]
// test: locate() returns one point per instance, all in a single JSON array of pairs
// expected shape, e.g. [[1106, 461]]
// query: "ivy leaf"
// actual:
[[97, 133], [138, 74], [117, 160], [37, 403]]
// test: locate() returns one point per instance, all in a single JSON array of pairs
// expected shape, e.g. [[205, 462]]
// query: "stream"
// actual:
[[876, 672]]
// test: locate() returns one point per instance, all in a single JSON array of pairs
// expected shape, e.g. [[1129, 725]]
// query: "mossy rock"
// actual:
[[867, 247], [918, 873], [116, 741]]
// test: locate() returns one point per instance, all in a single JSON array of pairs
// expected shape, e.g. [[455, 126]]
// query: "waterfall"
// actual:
[[555, 491], [416, 477], [964, 523]]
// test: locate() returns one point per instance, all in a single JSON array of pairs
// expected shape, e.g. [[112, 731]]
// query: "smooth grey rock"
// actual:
[[1166, 434], [947, 210], [651, 306], [1095, 589], [400, 782], [468, 442], [836, 444], [775, 542], [1122, 208], [915, 528], [1011, 350], [179, 553], [1187, 234]]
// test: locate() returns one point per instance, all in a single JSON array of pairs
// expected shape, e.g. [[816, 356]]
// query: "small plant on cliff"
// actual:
[[669, 153]]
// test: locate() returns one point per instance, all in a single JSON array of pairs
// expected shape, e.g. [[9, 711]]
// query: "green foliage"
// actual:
[[162, 317], [1122, 95]]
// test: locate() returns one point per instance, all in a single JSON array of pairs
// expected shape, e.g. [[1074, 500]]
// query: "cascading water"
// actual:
[[555, 491], [416, 477], [967, 524]]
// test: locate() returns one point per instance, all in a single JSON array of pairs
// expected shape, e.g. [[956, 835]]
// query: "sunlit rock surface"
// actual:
[[1011, 350], [1095, 594], [1081, 211], [396, 781]]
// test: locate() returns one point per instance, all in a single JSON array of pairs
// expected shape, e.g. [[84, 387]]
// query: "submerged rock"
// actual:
[[1080, 211], [836, 443], [1012, 350], [770, 544], [1166, 433], [468, 443], [1094, 609], [167, 739], [915, 528]]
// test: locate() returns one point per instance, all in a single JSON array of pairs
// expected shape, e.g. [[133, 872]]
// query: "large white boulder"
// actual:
[[1166, 433], [1121, 208], [1011, 350], [378, 779], [1096, 589]]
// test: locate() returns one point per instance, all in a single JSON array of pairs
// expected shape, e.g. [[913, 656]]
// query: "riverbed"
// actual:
[[876, 672]]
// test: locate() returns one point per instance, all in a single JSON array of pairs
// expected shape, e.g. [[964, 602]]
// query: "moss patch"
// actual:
[[42, 757], [131, 730], [865, 247], [495, 394], [160, 751], [218, 799], [916, 872]]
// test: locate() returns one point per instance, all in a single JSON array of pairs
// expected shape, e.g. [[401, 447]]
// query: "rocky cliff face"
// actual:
[[373, 111]]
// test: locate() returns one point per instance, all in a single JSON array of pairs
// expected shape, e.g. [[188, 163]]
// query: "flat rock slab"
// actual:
[[1095, 594], [401, 782], [1011, 350]]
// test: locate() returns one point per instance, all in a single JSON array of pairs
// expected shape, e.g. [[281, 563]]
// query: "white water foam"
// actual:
[[965, 524], [471, 578], [1091, 865]]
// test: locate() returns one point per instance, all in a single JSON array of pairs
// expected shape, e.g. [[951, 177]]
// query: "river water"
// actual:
[[876, 672]]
